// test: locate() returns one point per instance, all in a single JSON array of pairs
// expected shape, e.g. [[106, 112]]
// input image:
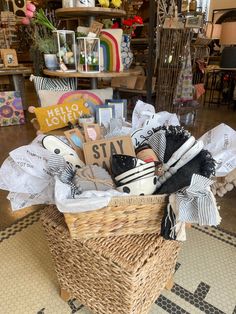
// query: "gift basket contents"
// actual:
[[117, 178]]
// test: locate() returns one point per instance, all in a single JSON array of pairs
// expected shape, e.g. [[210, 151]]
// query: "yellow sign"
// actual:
[[57, 116]]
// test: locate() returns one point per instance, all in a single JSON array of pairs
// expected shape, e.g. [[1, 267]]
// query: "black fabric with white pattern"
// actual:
[[62, 84]]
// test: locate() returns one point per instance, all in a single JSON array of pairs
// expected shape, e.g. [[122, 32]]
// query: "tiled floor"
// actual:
[[15, 136]]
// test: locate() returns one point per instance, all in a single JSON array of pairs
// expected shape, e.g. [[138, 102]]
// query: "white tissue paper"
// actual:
[[142, 111], [24, 174], [221, 143], [14, 179], [87, 201], [32, 159], [162, 118], [23, 200]]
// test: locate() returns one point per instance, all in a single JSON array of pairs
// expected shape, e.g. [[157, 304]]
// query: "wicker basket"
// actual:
[[124, 215], [116, 275]]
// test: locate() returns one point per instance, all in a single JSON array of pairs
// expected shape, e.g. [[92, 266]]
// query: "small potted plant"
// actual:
[[86, 118], [48, 47]]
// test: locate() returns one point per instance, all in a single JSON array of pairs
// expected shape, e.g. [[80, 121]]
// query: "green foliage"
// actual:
[[80, 34], [47, 45], [41, 18], [85, 115]]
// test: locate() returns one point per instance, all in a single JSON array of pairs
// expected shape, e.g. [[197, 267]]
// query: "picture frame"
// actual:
[[103, 115], [194, 21], [119, 108], [9, 57], [92, 132]]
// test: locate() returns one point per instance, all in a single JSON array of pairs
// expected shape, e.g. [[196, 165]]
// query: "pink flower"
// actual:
[[25, 21]]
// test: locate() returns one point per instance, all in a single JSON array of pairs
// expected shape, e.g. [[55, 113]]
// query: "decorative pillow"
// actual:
[[110, 41], [11, 109], [55, 84], [56, 117], [92, 98]]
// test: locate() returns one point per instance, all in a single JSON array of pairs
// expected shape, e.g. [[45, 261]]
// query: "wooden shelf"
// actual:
[[21, 69], [92, 75], [139, 41], [94, 11], [133, 91]]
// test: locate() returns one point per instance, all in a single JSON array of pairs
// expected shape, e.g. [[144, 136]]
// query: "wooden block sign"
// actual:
[[76, 139], [100, 152], [92, 132]]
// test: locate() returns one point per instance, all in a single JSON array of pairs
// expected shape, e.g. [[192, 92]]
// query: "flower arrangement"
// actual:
[[113, 3], [129, 25]]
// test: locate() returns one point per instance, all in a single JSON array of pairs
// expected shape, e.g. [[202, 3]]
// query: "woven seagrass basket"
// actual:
[[123, 216], [116, 275]]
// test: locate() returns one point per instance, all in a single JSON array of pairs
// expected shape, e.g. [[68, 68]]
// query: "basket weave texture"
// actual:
[[123, 215], [116, 275]]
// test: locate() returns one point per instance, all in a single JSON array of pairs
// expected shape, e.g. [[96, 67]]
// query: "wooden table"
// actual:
[[93, 76], [16, 77]]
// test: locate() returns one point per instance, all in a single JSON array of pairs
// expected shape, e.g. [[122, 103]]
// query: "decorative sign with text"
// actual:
[[100, 152], [76, 139], [57, 116]]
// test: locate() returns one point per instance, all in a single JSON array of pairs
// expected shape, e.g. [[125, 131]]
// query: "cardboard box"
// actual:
[[141, 83], [124, 82]]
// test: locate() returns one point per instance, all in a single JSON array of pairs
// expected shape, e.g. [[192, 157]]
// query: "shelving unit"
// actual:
[[65, 13], [90, 13]]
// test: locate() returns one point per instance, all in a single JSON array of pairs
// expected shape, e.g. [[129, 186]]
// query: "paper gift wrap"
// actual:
[[57, 116], [11, 110]]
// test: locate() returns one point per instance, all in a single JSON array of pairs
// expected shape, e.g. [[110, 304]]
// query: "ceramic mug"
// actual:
[[84, 3]]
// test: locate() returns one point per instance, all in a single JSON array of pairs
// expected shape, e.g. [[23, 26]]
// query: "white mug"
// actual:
[[85, 3]]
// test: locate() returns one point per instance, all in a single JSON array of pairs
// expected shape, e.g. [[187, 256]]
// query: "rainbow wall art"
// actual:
[[110, 42]]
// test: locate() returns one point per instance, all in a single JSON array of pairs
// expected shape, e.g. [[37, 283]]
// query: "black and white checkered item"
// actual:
[[158, 143]]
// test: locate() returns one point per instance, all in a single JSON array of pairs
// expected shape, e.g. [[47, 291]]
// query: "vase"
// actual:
[[84, 3], [126, 53], [51, 61]]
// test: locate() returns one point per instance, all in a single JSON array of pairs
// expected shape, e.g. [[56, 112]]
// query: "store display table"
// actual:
[[111, 275], [16, 78], [126, 73]]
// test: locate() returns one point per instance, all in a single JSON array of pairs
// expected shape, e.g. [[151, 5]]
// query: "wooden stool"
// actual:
[[116, 275]]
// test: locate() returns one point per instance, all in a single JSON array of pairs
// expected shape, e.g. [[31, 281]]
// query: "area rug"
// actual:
[[205, 277]]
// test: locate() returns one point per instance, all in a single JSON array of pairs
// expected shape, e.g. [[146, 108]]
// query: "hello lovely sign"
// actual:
[[58, 116]]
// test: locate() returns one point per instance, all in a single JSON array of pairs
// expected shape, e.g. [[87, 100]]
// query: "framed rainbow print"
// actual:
[[11, 109]]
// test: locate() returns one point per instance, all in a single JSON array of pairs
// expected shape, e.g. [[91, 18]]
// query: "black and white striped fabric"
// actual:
[[62, 84], [197, 204], [158, 143], [65, 172]]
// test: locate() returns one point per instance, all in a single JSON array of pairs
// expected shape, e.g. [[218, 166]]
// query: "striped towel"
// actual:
[[65, 172], [197, 204]]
